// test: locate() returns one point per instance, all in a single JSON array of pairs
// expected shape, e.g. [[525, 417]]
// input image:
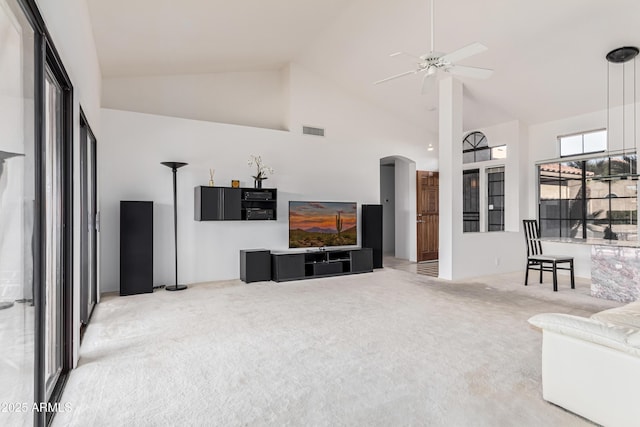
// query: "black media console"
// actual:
[[307, 265], [261, 265]]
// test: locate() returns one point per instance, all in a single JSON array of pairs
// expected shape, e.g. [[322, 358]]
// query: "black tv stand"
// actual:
[[320, 263]]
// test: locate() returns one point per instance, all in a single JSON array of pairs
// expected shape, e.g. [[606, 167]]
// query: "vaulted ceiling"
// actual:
[[548, 55]]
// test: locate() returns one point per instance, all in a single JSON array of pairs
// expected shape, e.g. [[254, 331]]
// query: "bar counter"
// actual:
[[615, 267]]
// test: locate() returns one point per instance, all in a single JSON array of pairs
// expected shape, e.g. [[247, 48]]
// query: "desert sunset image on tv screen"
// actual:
[[317, 224]]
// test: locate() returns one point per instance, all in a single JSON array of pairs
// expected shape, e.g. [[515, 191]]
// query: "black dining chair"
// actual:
[[536, 260]]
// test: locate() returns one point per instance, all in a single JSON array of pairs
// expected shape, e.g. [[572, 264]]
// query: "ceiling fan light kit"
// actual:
[[431, 62]]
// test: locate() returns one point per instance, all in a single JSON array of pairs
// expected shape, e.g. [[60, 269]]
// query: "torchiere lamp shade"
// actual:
[[174, 165]]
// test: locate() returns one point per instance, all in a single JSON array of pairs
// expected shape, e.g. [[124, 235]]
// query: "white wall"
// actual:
[[134, 144], [483, 253], [343, 166], [315, 101], [69, 24], [465, 255], [251, 98], [405, 209], [508, 134]]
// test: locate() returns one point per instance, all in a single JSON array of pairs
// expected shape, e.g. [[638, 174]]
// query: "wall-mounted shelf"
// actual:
[[235, 204]]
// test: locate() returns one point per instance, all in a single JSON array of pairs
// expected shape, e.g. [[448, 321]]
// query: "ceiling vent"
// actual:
[[308, 130]]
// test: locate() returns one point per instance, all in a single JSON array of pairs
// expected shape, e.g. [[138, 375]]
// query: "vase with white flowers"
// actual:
[[261, 170]]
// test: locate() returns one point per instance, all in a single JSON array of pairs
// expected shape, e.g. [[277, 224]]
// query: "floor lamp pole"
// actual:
[[174, 167]]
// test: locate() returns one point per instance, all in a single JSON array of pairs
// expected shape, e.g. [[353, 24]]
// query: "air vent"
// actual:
[[308, 130]]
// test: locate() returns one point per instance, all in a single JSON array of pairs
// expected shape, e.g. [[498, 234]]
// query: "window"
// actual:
[[495, 199], [589, 198], [475, 148], [471, 200], [582, 143], [499, 152]]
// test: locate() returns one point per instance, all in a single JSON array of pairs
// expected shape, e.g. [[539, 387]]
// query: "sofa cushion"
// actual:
[[627, 315], [634, 340], [591, 330]]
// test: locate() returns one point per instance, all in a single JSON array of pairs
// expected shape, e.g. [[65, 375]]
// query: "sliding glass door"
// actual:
[[17, 198], [88, 238], [53, 301], [36, 217]]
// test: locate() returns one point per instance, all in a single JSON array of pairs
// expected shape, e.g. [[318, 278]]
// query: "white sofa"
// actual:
[[591, 366]]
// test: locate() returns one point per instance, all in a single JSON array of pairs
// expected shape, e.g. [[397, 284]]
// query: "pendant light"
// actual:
[[623, 55]]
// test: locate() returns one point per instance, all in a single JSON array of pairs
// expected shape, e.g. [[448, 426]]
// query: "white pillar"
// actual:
[[450, 166], [405, 211]]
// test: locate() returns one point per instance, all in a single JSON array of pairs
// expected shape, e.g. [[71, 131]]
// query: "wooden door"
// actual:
[[427, 215]]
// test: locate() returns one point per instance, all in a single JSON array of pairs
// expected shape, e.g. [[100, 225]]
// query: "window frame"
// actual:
[[487, 172], [582, 134], [476, 145], [468, 197], [564, 207]]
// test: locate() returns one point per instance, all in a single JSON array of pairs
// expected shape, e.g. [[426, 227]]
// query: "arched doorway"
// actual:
[[398, 199]]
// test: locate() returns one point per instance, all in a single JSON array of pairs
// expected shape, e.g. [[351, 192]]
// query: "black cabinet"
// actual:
[[229, 204], [255, 265], [372, 232], [362, 261], [306, 265], [136, 247], [217, 203], [287, 267]]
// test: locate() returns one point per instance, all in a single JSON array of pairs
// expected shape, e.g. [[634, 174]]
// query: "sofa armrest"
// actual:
[[585, 329]]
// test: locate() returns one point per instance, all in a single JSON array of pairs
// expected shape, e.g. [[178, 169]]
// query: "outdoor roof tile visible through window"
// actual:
[[565, 169]]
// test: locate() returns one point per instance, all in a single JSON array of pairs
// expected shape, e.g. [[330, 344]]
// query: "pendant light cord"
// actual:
[[608, 105]]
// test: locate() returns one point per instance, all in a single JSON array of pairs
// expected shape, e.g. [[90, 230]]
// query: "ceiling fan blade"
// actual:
[[464, 52], [475, 72], [406, 73], [411, 55], [428, 83]]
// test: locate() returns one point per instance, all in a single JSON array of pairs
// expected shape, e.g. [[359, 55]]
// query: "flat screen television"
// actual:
[[319, 224]]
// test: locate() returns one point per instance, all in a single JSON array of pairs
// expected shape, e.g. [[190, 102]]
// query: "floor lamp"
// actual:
[[174, 167]]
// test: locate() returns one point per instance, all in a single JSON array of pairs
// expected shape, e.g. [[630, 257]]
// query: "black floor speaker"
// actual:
[[372, 231], [136, 247], [255, 265]]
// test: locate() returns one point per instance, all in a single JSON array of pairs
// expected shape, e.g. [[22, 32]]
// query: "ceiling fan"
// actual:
[[431, 62]]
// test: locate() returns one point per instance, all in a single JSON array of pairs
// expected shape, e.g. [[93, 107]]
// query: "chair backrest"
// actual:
[[532, 237]]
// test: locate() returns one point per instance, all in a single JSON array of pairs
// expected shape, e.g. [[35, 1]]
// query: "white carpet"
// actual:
[[381, 349]]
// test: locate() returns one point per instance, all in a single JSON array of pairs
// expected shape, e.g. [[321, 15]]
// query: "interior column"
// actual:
[[450, 166]]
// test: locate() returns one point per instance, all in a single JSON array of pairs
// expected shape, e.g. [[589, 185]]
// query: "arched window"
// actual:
[[475, 148]]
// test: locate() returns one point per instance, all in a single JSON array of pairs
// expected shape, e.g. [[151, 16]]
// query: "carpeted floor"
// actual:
[[384, 349]]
